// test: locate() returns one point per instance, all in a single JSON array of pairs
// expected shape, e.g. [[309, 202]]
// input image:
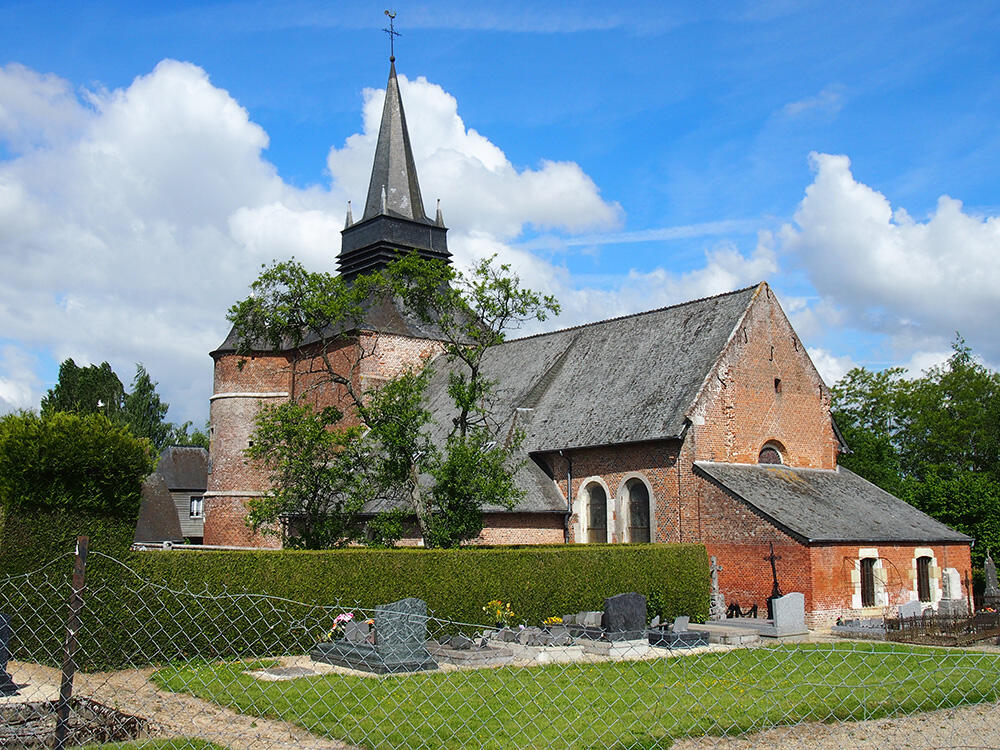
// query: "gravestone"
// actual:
[[951, 584], [790, 614], [624, 617], [910, 610], [7, 685], [991, 596], [400, 642], [677, 636], [717, 604], [356, 632]]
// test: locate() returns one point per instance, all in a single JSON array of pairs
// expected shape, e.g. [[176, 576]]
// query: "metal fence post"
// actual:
[[69, 652]]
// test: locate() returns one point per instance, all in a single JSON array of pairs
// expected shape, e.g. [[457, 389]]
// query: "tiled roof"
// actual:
[[817, 505]]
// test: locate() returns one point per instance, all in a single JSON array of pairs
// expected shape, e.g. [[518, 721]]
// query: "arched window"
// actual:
[[924, 579], [638, 512], [769, 454], [868, 582], [597, 514]]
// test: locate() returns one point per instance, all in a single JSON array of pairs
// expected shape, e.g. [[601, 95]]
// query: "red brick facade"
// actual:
[[762, 392]]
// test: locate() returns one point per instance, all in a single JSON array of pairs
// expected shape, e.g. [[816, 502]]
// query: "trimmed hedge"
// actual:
[[132, 615]]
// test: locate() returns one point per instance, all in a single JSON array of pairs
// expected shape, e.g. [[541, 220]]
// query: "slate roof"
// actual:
[[393, 187], [819, 505], [623, 380], [385, 315], [184, 467]]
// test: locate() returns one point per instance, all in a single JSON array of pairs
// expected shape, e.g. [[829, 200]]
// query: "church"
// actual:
[[703, 422]]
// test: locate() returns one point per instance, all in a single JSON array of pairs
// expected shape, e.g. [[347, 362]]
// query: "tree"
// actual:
[[933, 440], [143, 410], [94, 389], [317, 489], [75, 463], [474, 464], [183, 434]]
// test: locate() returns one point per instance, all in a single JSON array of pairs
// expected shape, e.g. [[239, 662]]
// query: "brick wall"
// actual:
[[836, 580], [764, 389], [614, 468], [244, 383]]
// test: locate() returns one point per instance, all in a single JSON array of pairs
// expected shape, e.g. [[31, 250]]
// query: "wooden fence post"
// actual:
[[69, 652]]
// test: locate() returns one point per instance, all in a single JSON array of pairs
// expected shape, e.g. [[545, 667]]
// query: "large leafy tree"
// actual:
[[92, 389], [933, 440], [312, 313]]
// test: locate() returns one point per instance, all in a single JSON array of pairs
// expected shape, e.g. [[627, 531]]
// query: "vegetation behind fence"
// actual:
[[539, 582]]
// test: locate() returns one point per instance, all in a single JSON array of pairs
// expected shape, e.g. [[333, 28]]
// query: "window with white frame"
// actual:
[[197, 507]]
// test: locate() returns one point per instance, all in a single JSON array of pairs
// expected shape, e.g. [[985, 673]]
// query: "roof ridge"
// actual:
[[634, 315]]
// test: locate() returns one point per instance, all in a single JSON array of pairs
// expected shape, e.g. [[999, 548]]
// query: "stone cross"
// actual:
[[717, 606]]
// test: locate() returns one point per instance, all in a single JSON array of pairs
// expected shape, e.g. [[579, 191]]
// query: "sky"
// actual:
[[619, 156]]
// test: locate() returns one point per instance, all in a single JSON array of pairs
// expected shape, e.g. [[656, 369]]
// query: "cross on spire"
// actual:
[[391, 31]]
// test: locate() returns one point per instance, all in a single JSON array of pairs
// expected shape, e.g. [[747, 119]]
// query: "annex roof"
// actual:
[[823, 505]]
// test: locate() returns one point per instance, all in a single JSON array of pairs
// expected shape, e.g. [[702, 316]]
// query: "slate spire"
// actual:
[[394, 171], [394, 222]]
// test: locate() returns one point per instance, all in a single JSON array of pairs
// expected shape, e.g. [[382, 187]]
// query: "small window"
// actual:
[[597, 515], [777, 385], [769, 455], [197, 507], [924, 579], [638, 512], [868, 582]]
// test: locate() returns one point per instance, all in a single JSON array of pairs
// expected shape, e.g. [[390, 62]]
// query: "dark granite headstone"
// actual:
[[624, 617], [7, 685], [356, 632], [400, 642]]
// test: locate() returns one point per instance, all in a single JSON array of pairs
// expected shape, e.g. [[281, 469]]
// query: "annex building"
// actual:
[[701, 422]]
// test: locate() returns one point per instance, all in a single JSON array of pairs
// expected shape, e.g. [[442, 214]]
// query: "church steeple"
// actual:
[[394, 174], [394, 222]]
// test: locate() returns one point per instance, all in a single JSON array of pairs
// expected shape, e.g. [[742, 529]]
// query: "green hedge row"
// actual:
[[256, 603]]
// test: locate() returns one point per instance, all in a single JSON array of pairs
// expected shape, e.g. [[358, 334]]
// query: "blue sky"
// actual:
[[620, 158]]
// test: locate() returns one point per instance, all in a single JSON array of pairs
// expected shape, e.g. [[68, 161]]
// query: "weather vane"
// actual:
[[391, 31]]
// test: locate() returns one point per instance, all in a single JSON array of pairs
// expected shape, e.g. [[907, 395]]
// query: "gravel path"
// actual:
[[967, 727], [171, 714]]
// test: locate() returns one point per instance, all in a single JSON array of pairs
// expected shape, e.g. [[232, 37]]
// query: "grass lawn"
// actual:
[[184, 744], [620, 705]]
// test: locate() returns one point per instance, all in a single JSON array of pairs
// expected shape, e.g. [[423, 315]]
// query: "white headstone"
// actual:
[[790, 614], [951, 583]]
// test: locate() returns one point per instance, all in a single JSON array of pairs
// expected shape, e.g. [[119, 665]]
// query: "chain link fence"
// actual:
[[130, 662]]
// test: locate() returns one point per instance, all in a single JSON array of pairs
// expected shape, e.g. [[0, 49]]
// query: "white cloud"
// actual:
[[829, 101], [20, 387], [131, 219], [892, 274], [831, 367], [480, 190]]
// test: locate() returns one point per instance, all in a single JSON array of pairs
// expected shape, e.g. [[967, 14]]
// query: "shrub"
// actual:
[[132, 616]]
